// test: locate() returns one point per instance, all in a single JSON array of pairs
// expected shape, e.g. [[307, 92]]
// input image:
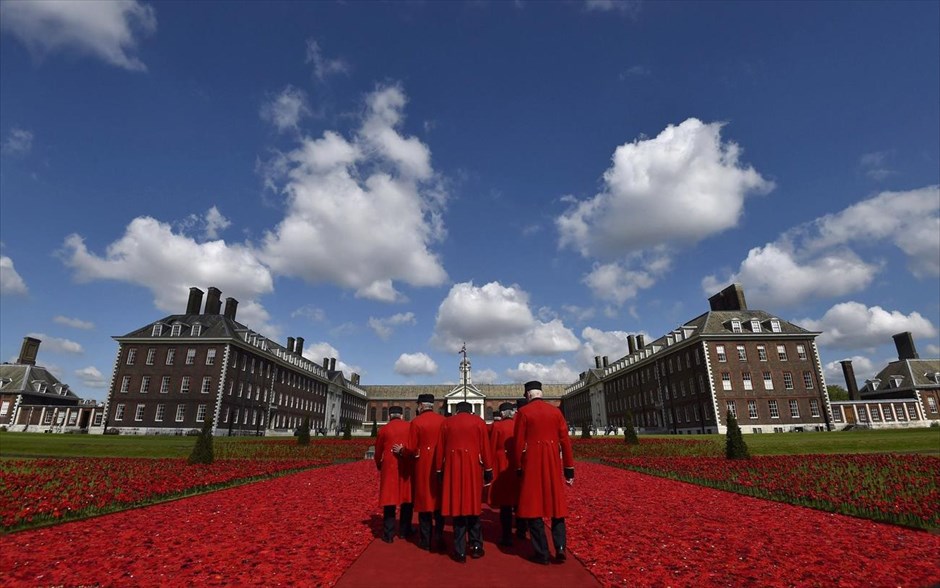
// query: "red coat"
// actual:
[[463, 453], [423, 436], [541, 433], [395, 472], [505, 488]]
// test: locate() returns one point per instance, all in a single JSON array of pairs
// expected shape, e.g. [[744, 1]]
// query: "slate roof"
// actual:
[[905, 374], [491, 391], [23, 379], [718, 322]]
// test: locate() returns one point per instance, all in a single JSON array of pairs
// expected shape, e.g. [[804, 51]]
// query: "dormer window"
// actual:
[[755, 326], [873, 384], [735, 325], [775, 325], [197, 330], [175, 330], [934, 377], [157, 330], [896, 381]]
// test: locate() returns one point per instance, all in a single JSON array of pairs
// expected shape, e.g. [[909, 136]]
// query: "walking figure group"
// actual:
[[442, 467]]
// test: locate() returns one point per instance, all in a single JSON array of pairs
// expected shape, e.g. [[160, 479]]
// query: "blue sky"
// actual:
[[389, 180]]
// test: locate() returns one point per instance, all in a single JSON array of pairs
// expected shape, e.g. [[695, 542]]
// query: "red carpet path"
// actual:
[[403, 564]]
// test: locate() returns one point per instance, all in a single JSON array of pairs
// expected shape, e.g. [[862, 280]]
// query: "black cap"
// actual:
[[464, 407], [521, 402], [533, 385], [506, 406], [395, 410], [426, 398]]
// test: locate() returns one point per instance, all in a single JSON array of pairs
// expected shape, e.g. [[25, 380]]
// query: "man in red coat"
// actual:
[[423, 436], [504, 493], [462, 462], [394, 476], [541, 433]]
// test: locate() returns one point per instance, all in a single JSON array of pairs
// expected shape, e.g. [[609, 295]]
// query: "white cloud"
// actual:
[[630, 8], [57, 344], [316, 352], [215, 222], [679, 187], [486, 376], [74, 323], [933, 350], [862, 366], [415, 364], [379, 186], [616, 282], [384, 327], [874, 165], [91, 377], [852, 325], [286, 110], [557, 373], [496, 319], [109, 30], [323, 66], [11, 283], [317, 315], [612, 344], [578, 314], [150, 254], [18, 142], [815, 260]]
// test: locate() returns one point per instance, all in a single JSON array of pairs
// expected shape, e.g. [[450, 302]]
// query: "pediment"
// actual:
[[458, 392]]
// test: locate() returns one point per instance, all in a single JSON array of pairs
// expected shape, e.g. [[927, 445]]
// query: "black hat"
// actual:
[[506, 406], [426, 398], [464, 407], [395, 410], [533, 385], [521, 402]]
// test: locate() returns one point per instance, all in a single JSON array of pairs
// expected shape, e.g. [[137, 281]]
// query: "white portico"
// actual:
[[465, 390]]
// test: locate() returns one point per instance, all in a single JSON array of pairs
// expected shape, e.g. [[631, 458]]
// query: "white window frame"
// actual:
[[201, 413], [755, 326], [170, 356], [725, 380], [197, 330], [161, 411], [814, 407], [775, 326], [191, 356], [801, 352], [774, 410], [119, 412], [139, 413], [180, 412], [787, 380], [125, 384], [165, 385], [210, 356], [151, 355], [782, 352], [145, 384], [176, 329], [768, 381], [720, 352], [752, 409], [742, 353], [206, 385], [736, 326], [157, 330], [746, 379], [808, 379], [131, 356], [185, 385], [794, 409], [931, 405]]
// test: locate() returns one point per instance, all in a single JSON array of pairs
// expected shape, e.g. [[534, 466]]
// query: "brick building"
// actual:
[[172, 374], [763, 369]]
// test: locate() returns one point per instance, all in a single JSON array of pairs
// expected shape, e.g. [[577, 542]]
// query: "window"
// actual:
[[180, 412], [752, 409], [151, 355], [814, 407], [742, 354], [735, 326], [157, 330], [161, 410], [4, 408], [210, 357], [794, 409], [768, 381], [190, 356], [801, 352], [206, 384], [145, 384], [808, 380], [125, 385], [788, 380], [165, 385], [932, 404], [175, 330], [118, 412], [139, 414], [755, 325], [748, 385], [772, 406], [761, 353], [781, 353], [197, 330], [131, 356], [888, 412], [775, 325], [720, 350], [385, 413], [184, 385], [899, 412], [201, 413], [912, 411], [170, 356], [725, 381]]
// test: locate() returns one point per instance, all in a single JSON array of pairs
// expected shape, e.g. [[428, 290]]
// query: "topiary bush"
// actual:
[[629, 433], [375, 429], [303, 436], [735, 448], [347, 431], [203, 451], [585, 431]]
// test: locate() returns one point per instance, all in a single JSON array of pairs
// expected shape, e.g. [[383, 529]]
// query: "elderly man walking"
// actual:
[[394, 476]]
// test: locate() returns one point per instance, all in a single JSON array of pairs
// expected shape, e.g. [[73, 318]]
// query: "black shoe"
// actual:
[[476, 552], [506, 541], [520, 533], [539, 560], [561, 556], [459, 557], [441, 546], [388, 539], [424, 545], [406, 533]]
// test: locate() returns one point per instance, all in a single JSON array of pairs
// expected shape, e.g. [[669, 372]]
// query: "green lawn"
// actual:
[[859, 441], [54, 445]]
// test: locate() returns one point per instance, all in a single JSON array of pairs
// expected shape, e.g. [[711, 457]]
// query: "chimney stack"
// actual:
[[231, 307], [904, 343], [640, 342], [299, 346], [28, 351], [631, 343], [355, 379], [290, 344], [851, 385], [195, 301], [731, 298], [332, 364], [213, 301], [326, 363], [597, 361], [604, 360]]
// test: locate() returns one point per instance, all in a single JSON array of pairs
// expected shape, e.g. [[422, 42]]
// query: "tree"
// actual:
[[375, 429], [629, 433], [585, 431], [837, 392], [203, 452], [303, 436], [735, 448], [347, 431]]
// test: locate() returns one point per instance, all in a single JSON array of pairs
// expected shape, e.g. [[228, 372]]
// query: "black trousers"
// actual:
[[424, 527], [540, 542], [463, 526], [404, 524]]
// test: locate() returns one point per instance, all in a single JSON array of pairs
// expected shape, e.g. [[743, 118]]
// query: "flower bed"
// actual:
[[300, 530], [333, 450], [896, 488], [635, 530], [601, 447]]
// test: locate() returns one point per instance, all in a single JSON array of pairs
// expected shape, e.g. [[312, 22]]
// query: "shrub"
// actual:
[[585, 431], [735, 448], [375, 429], [203, 452], [629, 433], [347, 431], [303, 436]]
